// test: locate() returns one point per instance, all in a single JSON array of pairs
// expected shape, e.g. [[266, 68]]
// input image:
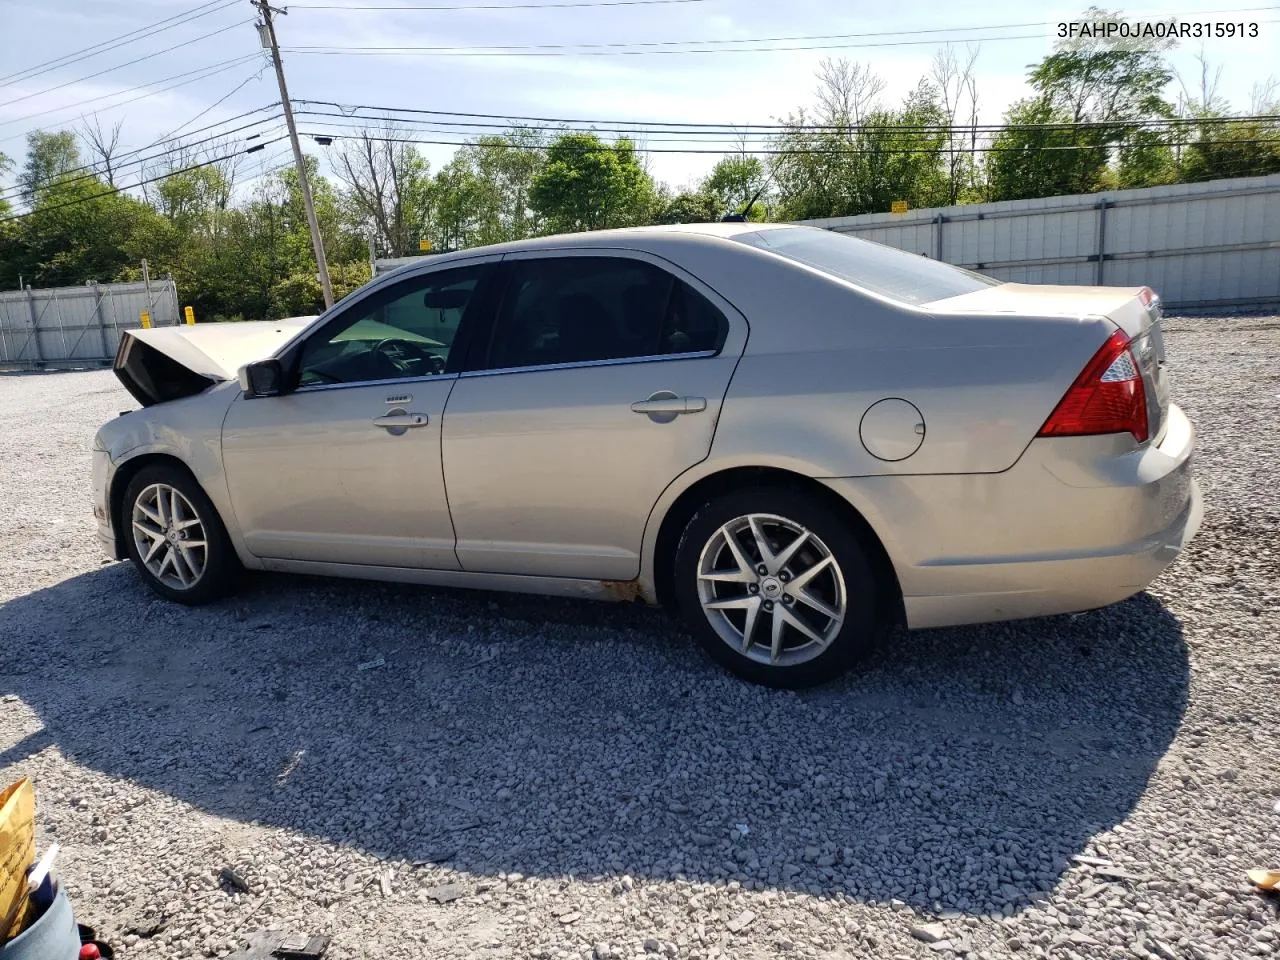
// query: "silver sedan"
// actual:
[[793, 438]]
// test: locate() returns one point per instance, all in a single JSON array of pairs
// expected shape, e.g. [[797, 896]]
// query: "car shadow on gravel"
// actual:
[[959, 769]]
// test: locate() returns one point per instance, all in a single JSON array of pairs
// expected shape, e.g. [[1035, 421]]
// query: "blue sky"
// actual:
[[739, 88]]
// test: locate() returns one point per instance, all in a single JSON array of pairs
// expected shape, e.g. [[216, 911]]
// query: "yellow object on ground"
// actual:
[[17, 853], [1265, 879]]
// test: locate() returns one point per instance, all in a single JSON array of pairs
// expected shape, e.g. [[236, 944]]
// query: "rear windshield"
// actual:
[[889, 272]]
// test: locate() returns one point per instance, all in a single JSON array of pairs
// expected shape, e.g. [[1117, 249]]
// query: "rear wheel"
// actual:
[[776, 587], [175, 538]]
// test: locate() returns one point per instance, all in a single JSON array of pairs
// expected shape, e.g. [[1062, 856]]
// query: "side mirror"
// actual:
[[265, 378]]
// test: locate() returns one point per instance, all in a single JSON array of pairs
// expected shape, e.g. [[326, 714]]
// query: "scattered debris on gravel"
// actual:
[[521, 777]]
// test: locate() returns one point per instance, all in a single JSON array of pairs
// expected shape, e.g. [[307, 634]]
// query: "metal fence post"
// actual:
[[35, 325], [97, 316], [937, 238], [1102, 241], [62, 329]]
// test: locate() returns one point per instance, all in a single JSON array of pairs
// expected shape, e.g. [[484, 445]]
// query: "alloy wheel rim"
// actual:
[[170, 536], [771, 589]]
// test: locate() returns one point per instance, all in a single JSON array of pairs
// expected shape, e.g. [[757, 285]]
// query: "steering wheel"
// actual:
[[396, 349]]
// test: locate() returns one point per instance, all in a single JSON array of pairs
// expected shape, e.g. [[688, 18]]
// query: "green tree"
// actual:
[[587, 184], [5, 166], [1105, 96], [902, 153], [1038, 154], [77, 231], [49, 157], [455, 199], [691, 207], [388, 189], [504, 168], [735, 182], [1247, 149], [856, 156]]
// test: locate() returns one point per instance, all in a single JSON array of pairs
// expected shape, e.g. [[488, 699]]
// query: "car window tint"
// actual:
[[887, 271], [405, 331], [693, 324], [580, 309]]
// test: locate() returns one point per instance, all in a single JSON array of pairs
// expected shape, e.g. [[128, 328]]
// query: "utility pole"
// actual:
[[267, 33]]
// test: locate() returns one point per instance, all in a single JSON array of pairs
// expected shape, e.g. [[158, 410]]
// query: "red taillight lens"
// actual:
[[1107, 397]]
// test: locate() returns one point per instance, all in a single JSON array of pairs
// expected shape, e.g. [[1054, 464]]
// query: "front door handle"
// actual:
[[401, 421], [670, 405]]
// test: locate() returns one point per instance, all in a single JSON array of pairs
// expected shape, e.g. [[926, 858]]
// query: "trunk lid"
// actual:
[[160, 364], [1135, 310]]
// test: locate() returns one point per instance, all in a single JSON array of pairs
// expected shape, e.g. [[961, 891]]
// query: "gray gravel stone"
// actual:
[[545, 760]]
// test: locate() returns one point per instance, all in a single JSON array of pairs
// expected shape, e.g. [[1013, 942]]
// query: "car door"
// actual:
[[601, 383], [345, 467]]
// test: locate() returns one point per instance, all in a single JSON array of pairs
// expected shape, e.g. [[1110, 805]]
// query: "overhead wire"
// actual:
[[89, 171], [587, 51], [149, 30], [141, 183], [671, 43], [272, 166], [479, 121], [256, 75], [879, 150], [725, 45], [128, 63], [200, 73], [558, 4]]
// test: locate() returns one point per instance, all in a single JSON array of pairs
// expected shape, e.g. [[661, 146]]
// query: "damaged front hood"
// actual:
[[167, 363]]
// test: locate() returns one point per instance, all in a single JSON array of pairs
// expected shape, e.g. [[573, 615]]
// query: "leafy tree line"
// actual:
[[238, 244]]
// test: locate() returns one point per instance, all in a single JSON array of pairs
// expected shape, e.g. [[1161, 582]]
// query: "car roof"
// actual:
[[623, 238]]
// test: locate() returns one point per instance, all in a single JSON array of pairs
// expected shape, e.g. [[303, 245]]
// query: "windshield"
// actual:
[[887, 271]]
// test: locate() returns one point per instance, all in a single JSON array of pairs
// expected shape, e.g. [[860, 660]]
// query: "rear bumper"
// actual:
[[1078, 523]]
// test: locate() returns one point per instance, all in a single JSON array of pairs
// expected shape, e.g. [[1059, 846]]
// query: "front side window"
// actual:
[[592, 309], [405, 331]]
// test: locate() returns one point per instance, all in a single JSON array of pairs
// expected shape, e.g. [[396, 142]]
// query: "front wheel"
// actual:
[[777, 588], [175, 538]]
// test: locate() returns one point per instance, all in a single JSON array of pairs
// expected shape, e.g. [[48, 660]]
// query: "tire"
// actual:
[[805, 657], [205, 570]]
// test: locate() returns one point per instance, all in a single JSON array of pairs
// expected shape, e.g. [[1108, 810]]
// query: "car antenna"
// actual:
[[741, 216]]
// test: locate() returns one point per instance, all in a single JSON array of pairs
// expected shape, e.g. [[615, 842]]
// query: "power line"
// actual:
[[256, 75], [652, 47], [204, 73], [128, 63], [141, 183], [90, 171], [493, 6], [824, 151], [267, 31], [272, 166], [728, 129], [149, 30], [673, 43], [586, 51]]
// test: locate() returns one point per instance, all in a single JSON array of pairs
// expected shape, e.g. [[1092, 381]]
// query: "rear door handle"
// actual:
[[670, 405], [401, 421]]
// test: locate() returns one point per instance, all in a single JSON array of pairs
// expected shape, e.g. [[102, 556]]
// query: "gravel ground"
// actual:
[[538, 778]]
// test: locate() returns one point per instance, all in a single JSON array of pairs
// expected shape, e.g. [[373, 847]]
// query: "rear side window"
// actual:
[[887, 271], [560, 310]]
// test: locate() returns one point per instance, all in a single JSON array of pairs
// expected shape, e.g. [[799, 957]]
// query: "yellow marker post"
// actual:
[[190, 315], [424, 245], [898, 206], [146, 320]]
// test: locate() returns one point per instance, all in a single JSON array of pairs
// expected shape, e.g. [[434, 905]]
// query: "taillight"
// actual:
[[1107, 397]]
